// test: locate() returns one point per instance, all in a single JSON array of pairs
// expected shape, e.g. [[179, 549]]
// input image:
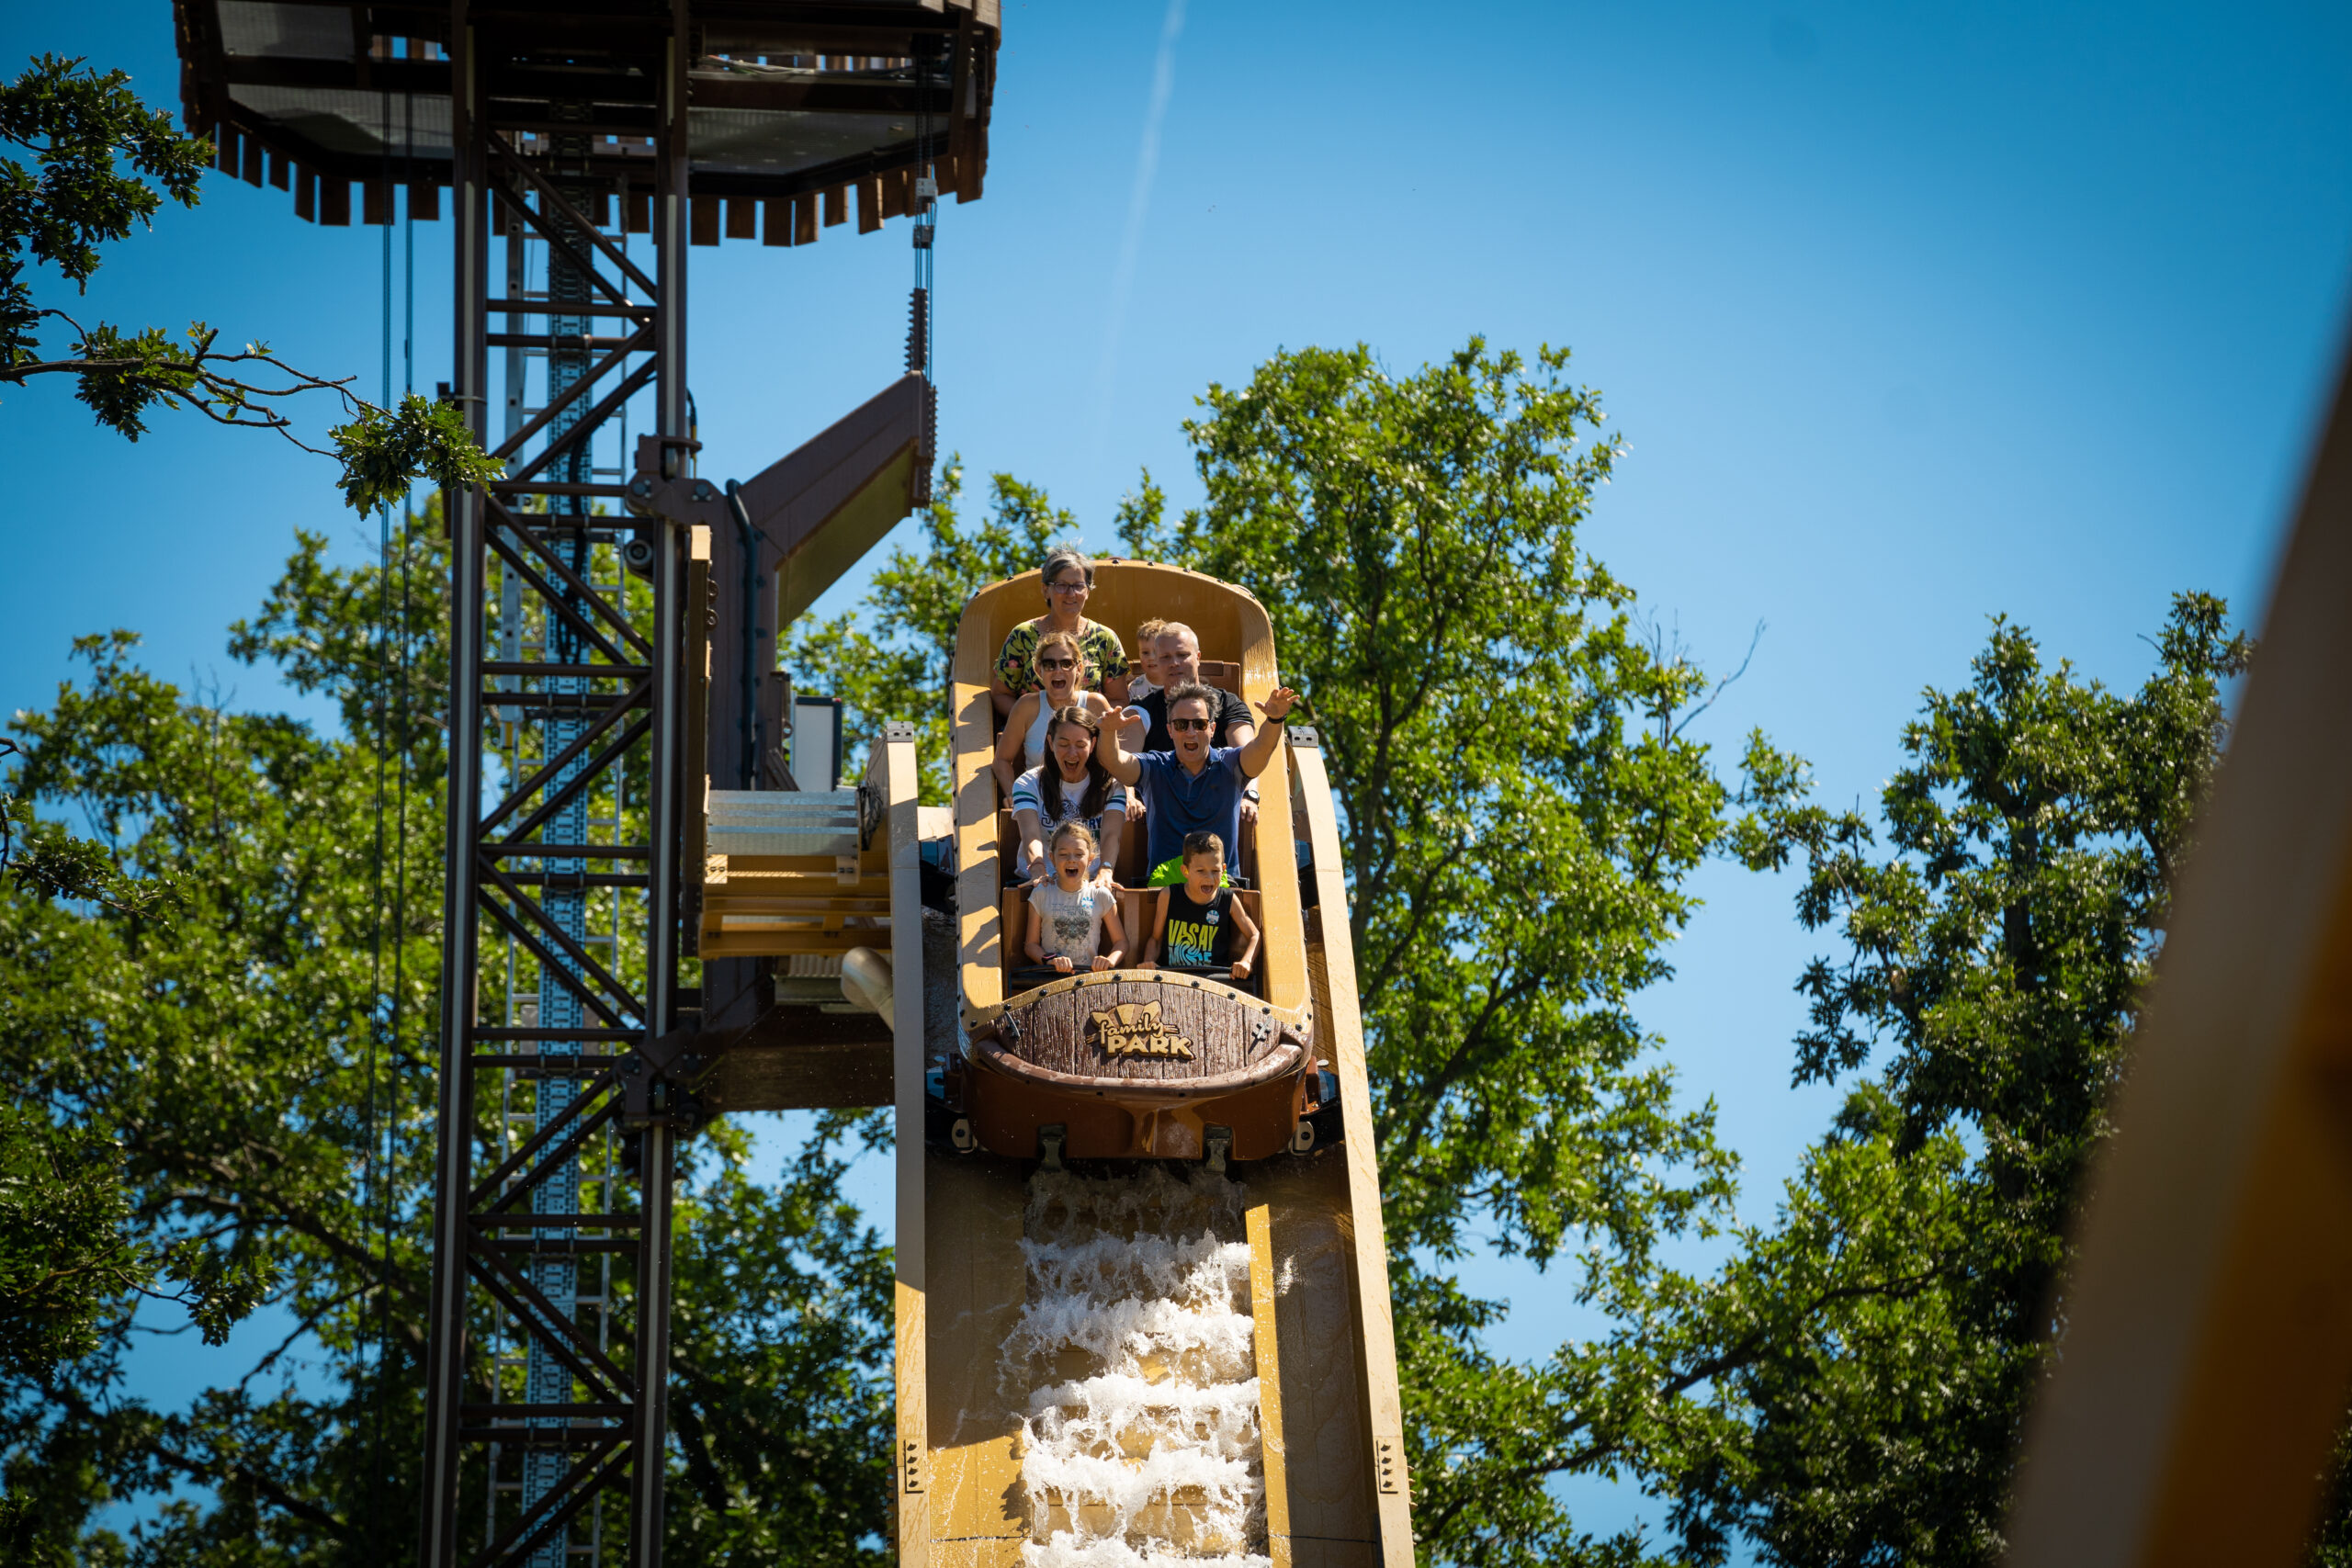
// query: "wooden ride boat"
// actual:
[[1128, 1064]]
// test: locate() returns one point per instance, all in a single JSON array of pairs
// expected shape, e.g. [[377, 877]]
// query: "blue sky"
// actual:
[[1910, 314]]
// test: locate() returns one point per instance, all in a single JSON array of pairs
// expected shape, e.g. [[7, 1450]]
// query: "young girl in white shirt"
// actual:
[[1068, 911]]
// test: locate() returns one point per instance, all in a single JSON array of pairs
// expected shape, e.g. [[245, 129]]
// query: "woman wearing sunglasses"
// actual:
[[1061, 665], [1068, 578]]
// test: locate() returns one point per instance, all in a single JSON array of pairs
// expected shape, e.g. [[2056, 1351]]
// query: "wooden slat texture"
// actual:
[[976, 1284], [1327, 1470], [2208, 1337], [1339, 1041], [1059, 1032], [1265, 1282]]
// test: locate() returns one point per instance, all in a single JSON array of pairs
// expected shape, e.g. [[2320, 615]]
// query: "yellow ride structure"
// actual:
[[829, 874]]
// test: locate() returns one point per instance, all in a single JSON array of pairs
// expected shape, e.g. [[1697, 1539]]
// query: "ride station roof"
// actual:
[[790, 108]]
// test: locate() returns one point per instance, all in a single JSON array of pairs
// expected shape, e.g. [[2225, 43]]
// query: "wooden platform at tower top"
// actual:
[[800, 117]]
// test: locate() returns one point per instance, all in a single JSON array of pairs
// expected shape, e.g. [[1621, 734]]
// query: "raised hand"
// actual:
[[1278, 702]]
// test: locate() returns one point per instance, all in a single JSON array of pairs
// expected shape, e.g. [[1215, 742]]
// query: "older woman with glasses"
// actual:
[[1068, 578]]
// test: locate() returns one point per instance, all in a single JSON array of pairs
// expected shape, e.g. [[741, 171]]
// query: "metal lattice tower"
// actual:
[[584, 148]]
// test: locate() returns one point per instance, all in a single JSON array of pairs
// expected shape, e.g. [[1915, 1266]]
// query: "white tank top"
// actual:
[[1033, 749]]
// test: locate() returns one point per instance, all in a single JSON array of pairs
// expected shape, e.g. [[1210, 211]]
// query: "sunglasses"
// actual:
[[1078, 587], [1188, 724], [1058, 664]]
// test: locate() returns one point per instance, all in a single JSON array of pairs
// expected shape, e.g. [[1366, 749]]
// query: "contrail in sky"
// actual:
[[1122, 276]]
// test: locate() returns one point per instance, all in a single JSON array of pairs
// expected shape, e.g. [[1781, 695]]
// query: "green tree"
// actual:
[[1492, 718], [1868, 1360], [103, 161], [259, 1076]]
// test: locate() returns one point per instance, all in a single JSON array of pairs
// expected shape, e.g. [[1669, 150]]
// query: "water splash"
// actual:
[[1140, 1442]]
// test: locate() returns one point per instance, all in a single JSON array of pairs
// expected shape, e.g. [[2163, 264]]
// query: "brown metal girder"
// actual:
[[554, 601], [502, 514], [575, 1491], [687, 501], [590, 420], [793, 500], [527, 1305], [623, 996], [536, 1437], [555, 242], [560, 1246], [573, 308], [637, 343], [506, 847], [542, 670], [524, 1182], [487, 1188], [518, 840], [501, 152], [547, 956], [547, 770], [584, 343]]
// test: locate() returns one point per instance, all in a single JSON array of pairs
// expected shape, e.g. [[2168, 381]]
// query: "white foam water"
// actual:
[[1140, 1436]]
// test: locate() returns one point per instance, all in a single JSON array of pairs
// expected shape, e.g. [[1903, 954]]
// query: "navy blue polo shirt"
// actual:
[[1181, 803]]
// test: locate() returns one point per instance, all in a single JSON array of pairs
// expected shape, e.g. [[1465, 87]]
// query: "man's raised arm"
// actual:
[[1117, 760], [1261, 749]]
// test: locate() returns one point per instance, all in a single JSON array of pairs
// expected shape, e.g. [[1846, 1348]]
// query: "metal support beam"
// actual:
[[568, 648]]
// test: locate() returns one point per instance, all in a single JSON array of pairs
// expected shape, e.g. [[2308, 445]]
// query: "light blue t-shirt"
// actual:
[[1029, 795]]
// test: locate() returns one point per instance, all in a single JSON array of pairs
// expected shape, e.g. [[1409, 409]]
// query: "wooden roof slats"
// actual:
[[791, 105]]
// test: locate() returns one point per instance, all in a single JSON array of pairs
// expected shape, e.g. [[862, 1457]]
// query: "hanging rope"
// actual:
[[379, 1164]]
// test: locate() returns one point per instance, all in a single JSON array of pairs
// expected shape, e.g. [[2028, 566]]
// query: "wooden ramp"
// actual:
[[1330, 1418]]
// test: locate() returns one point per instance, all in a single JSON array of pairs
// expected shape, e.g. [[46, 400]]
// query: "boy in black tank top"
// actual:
[[1201, 925]]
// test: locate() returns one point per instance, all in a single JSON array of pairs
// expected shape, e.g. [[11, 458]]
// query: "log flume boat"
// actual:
[[1143, 1299]]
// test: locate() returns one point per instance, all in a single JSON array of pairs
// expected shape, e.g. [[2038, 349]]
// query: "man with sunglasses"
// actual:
[[1179, 651], [1195, 787]]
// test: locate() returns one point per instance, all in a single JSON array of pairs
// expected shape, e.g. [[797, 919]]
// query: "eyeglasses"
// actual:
[[1076, 587], [1058, 664], [1188, 724]]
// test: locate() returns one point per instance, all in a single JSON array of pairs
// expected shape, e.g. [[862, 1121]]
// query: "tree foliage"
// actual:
[[1873, 1353], [1524, 799], [1492, 718], [254, 1085], [104, 162]]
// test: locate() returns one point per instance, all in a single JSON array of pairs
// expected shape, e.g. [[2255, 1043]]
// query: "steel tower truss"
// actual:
[[569, 735], [588, 143]]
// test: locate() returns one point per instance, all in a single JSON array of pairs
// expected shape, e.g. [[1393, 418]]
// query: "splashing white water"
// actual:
[[1140, 1439]]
